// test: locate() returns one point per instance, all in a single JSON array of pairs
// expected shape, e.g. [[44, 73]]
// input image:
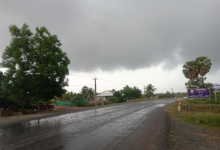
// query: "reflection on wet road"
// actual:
[[91, 129]]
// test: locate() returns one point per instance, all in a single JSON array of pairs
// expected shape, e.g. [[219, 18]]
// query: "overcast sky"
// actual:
[[134, 42]]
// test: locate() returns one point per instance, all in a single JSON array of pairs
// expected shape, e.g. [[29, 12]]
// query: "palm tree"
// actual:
[[204, 65], [91, 94], [191, 70], [150, 91], [84, 92]]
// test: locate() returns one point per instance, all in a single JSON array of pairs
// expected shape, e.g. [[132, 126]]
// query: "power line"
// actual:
[[112, 81], [79, 75], [99, 78]]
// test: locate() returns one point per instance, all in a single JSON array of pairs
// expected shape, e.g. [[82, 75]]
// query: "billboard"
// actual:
[[216, 86], [198, 93]]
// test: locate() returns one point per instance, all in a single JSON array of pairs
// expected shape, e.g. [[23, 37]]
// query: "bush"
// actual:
[[80, 104], [90, 104], [194, 101], [213, 96], [23, 110], [107, 103], [207, 101], [113, 99], [166, 95]]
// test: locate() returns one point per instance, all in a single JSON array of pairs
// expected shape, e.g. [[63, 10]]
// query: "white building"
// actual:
[[104, 95]]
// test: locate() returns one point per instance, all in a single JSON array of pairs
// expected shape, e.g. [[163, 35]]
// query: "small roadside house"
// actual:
[[104, 95]]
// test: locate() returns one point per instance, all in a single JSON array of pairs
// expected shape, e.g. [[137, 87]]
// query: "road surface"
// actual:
[[135, 125]]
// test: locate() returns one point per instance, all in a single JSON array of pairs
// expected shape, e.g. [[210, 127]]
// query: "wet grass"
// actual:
[[199, 113]]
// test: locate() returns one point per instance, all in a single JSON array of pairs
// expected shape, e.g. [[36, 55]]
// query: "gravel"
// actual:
[[183, 136]]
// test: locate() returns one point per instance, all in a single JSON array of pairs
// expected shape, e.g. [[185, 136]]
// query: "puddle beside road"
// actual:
[[160, 105]]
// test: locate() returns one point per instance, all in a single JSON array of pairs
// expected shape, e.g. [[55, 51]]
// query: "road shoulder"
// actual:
[[185, 136], [59, 110], [152, 134]]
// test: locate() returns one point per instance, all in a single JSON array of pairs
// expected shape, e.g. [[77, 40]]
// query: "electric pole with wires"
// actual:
[[95, 90]]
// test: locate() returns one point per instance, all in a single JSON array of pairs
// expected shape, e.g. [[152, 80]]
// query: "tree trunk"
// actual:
[[27, 103], [202, 82]]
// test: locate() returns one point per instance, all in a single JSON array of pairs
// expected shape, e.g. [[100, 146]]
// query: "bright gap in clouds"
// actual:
[[163, 80]]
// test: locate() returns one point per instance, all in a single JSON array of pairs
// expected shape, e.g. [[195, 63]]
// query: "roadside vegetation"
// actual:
[[85, 98], [36, 76], [36, 70], [199, 112], [167, 95]]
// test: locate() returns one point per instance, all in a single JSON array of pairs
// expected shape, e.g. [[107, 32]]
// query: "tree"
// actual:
[[78, 100], [87, 93], [118, 94], [204, 66], [200, 66], [84, 92], [113, 99], [1, 78], [150, 91], [199, 83], [66, 96], [190, 70], [3, 96], [130, 92], [91, 94], [167, 95], [37, 66]]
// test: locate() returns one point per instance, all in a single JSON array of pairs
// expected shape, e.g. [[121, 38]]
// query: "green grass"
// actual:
[[196, 115], [205, 119]]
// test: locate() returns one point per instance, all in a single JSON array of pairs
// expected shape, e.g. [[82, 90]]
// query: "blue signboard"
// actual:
[[216, 86], [198, 93]]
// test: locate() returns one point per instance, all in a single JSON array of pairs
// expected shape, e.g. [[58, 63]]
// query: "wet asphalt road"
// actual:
[[136, 125]]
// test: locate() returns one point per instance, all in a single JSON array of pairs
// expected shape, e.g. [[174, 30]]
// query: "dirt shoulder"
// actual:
[[183, 136], [20, 118]]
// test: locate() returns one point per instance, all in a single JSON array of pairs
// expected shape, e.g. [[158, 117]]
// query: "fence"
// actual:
[[68, 103], [60, 103]]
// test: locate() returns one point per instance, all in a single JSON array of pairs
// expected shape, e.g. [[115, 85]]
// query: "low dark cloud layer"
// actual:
[[114, 34]]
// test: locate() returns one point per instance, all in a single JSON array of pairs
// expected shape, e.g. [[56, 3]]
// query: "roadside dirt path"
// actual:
[[19, 118], [183, 136]]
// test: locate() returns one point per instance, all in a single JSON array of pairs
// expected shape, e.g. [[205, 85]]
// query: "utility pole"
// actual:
[[95, 90], [172, 90], [144, 91]]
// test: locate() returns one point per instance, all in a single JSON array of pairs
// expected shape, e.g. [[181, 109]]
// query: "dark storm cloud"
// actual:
[[130, 34]]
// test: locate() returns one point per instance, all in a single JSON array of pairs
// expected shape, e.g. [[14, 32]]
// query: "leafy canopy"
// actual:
[[37, 66], [130, 92], [87, 93], [150, 89], [200, 66]]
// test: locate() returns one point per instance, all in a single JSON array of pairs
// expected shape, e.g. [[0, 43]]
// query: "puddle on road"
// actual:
[[160, 105]]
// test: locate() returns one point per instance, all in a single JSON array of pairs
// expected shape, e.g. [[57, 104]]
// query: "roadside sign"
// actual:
[[216, 86], [198, 93]]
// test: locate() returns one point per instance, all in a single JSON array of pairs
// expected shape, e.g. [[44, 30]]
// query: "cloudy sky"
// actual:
[[133, 42]]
